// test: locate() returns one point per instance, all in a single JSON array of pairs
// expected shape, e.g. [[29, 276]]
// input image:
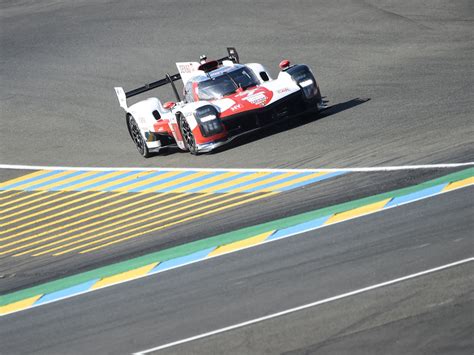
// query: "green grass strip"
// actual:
[[218, 240]]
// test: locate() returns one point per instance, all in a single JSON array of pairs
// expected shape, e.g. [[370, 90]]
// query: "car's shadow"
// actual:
[[291, 124], [283, 126]]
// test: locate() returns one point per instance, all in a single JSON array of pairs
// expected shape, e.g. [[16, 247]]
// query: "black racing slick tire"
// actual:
[[187, 134], [137, 137]]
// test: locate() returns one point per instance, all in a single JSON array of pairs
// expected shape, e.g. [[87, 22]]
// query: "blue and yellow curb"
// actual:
[[226, 243], [165, 181]]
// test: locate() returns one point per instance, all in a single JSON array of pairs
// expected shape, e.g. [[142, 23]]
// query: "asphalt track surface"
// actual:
[[398, 78], [61, 60], [219, 292]]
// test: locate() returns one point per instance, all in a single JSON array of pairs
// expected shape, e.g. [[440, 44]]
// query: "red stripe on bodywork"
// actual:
[[248, 100]]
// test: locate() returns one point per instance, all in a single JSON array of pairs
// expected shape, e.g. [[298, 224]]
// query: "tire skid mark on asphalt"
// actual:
[[54, 212]]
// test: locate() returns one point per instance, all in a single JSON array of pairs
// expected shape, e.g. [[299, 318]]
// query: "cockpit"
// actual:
[[220, 83]]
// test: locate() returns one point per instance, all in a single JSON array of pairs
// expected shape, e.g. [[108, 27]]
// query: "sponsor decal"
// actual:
[[247, 100], [281, 91], [258, 99], [236, 107], [185, 68]]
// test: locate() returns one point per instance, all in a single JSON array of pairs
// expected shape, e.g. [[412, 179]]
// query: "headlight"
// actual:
[[306, 83], [305, 79], [208, 118], [209, 123]]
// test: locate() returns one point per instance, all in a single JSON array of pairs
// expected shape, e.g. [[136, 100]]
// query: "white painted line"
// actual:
[[355, 169], [299, 308]]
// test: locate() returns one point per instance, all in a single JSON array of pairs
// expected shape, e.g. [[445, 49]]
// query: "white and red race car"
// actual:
[[221, 100]]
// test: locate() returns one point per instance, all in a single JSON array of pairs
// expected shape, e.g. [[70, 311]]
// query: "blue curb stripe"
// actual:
[[223, 181], [51, 173], [106, 181], [299, 228], [190, 182], [242, 184], [281, 181], [139, 179], [416, 195], [310, 181], [182, 260], [52, 181], [66, 292], [162, 181], [79, 181]]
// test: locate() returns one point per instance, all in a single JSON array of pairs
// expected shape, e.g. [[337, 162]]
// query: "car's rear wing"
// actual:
[[168, 79], [231, 55]]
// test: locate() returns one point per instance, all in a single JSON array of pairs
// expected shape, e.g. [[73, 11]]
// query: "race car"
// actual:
[[222, 99]]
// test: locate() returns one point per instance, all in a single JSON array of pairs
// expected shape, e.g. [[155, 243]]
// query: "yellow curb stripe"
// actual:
[[460, 183], [214, 210], [264, 182], [19, 305], [178, 181], [293, 182], [43, 197], [66, 180], [69, 231], [235, 182], [23, 178], [141, 221], [132, 177], [148, 181], [241, 244], [95, 180], [124, 276], [61, 220], [45, 179], [338, 217], [61, 206], [205, 182], [10, 196], [31, 196], [109, 225]]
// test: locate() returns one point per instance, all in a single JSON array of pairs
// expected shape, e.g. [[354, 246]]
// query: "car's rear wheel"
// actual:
[[137, 136], [188, 136]]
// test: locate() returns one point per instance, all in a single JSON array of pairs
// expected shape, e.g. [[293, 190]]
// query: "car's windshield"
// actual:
[[226, 84]]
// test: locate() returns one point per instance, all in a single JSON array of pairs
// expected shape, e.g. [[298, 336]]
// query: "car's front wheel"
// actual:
[[137, 136], [188, 136]]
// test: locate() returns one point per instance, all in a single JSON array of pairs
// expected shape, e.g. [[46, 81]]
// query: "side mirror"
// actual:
[[284, 64], [169, 105]]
